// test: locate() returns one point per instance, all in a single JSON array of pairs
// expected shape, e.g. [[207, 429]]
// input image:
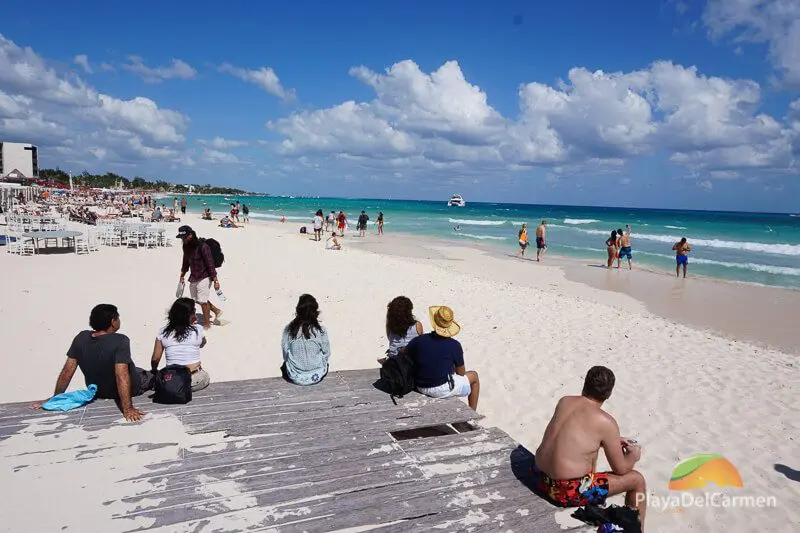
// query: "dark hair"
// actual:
[[319, 212], [306, 317], [599, 383], [179, 319], [613, 238], [619, 231], [102, 315], [683, 239], [400, 316]]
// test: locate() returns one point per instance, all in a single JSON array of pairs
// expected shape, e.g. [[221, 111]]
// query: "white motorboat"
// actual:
[[456, 201]]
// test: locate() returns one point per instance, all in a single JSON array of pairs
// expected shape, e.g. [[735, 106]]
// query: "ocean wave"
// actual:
[[481, 237], [575, 221], [776, 249], [756, 267], [771, 269], [675, 227], [469, 222], [278, 217]]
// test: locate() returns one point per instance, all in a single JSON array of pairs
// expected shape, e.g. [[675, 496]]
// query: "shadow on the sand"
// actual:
[[790, 473]]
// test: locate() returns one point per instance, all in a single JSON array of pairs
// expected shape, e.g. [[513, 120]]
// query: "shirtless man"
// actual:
[[565, 466], [682, 250], [541, 243], [625, 247]]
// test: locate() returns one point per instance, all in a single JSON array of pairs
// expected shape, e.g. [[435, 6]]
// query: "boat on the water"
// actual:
[[456, 201]]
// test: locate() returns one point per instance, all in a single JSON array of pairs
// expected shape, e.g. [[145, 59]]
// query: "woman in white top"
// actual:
[[401, 326], [180, 342]]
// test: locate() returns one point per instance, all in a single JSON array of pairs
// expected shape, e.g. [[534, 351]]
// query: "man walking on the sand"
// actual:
[[541, 242], [682, 250], [198, 259]]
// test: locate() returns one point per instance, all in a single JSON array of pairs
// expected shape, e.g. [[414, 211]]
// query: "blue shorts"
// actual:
[[540, 245], [625, 251], [682, 259]]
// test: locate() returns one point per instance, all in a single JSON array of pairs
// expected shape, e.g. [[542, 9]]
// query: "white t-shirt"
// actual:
[[317, 222], [182, 353]]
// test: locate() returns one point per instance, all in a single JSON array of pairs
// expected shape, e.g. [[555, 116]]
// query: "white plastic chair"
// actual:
[[81, 245]]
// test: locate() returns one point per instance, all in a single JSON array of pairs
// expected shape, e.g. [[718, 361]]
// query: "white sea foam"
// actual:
[[278, 217], [481, 237], [777, 249], [675, 227], [575, 221], [756, 267], [469, 222]]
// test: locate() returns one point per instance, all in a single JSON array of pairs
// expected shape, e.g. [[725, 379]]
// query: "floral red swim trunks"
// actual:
[[591, 488]]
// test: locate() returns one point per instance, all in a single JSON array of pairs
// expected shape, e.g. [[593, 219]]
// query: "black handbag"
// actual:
[[173, 384]]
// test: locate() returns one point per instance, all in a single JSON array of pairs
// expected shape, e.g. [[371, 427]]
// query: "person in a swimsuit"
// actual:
[[565, 466], [681, 249], [611, 244], [541, 242], [625, 248], [380, 223], [523, 240]]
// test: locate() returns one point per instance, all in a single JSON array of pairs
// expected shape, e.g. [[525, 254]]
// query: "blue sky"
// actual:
[[642, 103]]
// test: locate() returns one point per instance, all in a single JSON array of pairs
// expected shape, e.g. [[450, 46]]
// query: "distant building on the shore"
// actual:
[[18, 161]]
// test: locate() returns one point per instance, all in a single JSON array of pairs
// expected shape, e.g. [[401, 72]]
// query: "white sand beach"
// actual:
[[527, 329]]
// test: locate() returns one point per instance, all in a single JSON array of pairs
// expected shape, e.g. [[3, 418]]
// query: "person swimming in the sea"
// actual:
[[457, 228]]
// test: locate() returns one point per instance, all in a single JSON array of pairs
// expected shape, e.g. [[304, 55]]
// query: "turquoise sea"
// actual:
[[758, 248]]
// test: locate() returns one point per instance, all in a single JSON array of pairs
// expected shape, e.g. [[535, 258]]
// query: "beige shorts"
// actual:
[[200, 380], [200, 291]]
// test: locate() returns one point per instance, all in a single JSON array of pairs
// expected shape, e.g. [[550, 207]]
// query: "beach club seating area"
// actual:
[[29, 235], [267, 455]]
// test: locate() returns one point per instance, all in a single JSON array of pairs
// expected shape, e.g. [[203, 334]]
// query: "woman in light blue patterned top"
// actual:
[[305, 345]]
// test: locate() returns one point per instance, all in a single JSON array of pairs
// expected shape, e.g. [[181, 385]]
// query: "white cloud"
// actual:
[[221, 144], [591, 121], [264, 77], [775, 22], [63, 114], [177, 69], [107, 67], [83, 61], [216, 156], [705, 185]]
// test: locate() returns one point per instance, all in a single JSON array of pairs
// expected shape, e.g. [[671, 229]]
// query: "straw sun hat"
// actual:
[[443, 322]]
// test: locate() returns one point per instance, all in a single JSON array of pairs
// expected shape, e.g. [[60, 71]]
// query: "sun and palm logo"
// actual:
[[697, 471]]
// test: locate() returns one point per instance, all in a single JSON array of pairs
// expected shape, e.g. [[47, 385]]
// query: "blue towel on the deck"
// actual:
[[71, 400]]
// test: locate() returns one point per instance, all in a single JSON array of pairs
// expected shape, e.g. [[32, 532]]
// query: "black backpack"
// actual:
[[216, 252], [173, 384], [397, 374]]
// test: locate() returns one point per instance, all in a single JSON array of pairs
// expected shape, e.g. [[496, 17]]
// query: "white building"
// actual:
[[18, 160]]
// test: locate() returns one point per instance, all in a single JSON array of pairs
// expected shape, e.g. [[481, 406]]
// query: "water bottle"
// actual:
[[221, 296]]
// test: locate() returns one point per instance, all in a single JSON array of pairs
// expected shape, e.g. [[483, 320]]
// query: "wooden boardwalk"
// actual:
[[272, 456]]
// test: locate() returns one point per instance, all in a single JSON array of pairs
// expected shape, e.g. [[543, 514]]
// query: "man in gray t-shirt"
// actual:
[[104, 357]]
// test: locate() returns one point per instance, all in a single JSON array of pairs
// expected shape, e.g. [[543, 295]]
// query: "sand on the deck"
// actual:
[[528, 331]]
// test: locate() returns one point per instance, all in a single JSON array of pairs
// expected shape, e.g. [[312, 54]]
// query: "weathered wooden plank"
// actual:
[[355, 417], [24, 412], [282, 499], [211, 412], [416, 499], [178, 474]]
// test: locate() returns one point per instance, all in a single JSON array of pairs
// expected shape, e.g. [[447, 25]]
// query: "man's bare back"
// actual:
[[572, 438], [540, 230]]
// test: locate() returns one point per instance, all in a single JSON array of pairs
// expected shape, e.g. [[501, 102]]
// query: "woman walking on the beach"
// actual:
[[305, 345], [180, 342], [380, 223], [611, 243]]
